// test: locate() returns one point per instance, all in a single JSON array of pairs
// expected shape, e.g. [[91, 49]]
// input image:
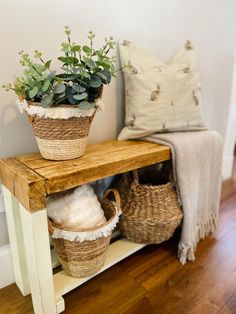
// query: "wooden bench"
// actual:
[[28, 179]]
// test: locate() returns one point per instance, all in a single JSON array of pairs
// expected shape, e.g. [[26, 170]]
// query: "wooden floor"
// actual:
[[153, 281]]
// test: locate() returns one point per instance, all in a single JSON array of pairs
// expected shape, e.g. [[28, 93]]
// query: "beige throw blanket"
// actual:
[[197, 162]]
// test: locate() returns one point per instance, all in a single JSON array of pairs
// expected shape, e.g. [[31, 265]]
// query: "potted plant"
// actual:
[[61, 106]]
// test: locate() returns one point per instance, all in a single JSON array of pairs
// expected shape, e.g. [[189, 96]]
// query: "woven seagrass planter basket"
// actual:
[[61, 139], [84, 258], [62, 131], [150, 214]]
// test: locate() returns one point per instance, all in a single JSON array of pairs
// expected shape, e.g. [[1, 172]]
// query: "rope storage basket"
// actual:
[[61, 139], [82, 252], [61, 131], [150, 214]]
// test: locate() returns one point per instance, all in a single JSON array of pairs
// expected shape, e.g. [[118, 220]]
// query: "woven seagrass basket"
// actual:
[[81, 259], [64, 138], [150, 214], [61, 139]]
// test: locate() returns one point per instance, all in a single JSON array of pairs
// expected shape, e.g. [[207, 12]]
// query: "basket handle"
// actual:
[[116, 195]]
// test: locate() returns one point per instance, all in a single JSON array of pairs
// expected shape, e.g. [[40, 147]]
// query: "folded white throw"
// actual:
[[197, 163]]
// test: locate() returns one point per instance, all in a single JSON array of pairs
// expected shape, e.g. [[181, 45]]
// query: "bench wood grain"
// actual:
[[30, 178]]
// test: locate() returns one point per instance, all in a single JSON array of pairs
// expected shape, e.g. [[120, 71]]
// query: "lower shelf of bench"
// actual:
[[63, 283]]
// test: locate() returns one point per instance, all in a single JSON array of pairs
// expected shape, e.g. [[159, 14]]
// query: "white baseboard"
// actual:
[[6, 269], [228, 162]]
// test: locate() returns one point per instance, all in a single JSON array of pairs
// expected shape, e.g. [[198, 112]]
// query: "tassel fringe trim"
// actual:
[[86, 235], [57, 112]]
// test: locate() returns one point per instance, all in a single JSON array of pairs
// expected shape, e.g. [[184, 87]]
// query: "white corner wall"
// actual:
[[230, 137], [159, 26]]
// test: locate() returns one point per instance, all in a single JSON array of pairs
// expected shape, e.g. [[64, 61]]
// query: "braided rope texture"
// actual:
[[62, 149], [150, 214], [61, 139], [61, 129], [81, 259]]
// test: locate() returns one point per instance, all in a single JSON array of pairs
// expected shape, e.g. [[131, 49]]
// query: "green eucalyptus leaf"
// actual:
[[51, 75], [105, 65], [86, 75], [73, 60], [78, 88], [86, 49], [107, 61], [102, 76], [62, 59], [37, 68], [75, 48], [95, 81], [105, 73], [48, 63], [47, 100], [46, 85], [67, 77], [72, 100], [60, 88], [33, 92], [62, 95], [80, 96], [85, 105], [68, 60], [91, 64]]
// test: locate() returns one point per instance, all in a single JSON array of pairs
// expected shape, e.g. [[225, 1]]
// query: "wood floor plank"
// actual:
[[12, 301], [229, 307], [111, 292]]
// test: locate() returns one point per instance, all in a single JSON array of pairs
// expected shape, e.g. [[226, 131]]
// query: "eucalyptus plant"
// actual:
[[83, 72]]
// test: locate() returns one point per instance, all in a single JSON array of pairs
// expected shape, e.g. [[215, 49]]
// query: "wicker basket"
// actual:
[[150, 214], [81, 259], [61, 139]]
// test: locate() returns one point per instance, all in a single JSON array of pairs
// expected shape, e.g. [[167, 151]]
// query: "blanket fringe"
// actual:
[[187, 252]]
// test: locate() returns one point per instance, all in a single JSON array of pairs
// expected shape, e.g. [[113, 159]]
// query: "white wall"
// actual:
[[159, 26], [230, 137]]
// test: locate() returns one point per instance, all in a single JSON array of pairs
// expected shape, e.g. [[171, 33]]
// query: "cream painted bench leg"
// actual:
[[38, 258], [16, 241]]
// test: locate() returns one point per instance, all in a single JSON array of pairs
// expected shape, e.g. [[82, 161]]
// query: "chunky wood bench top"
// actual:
[[30, 178]]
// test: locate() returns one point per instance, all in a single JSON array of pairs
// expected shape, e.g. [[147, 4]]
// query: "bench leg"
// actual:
[[16, 241], [38, 257]]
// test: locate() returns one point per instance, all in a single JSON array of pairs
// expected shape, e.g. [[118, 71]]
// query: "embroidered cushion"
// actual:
[[160, 97]]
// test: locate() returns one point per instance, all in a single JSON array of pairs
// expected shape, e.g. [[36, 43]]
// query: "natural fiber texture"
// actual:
[[62, 149], [61, 139], [197, 162], [61, 129], [81, 259], [150, 214]]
